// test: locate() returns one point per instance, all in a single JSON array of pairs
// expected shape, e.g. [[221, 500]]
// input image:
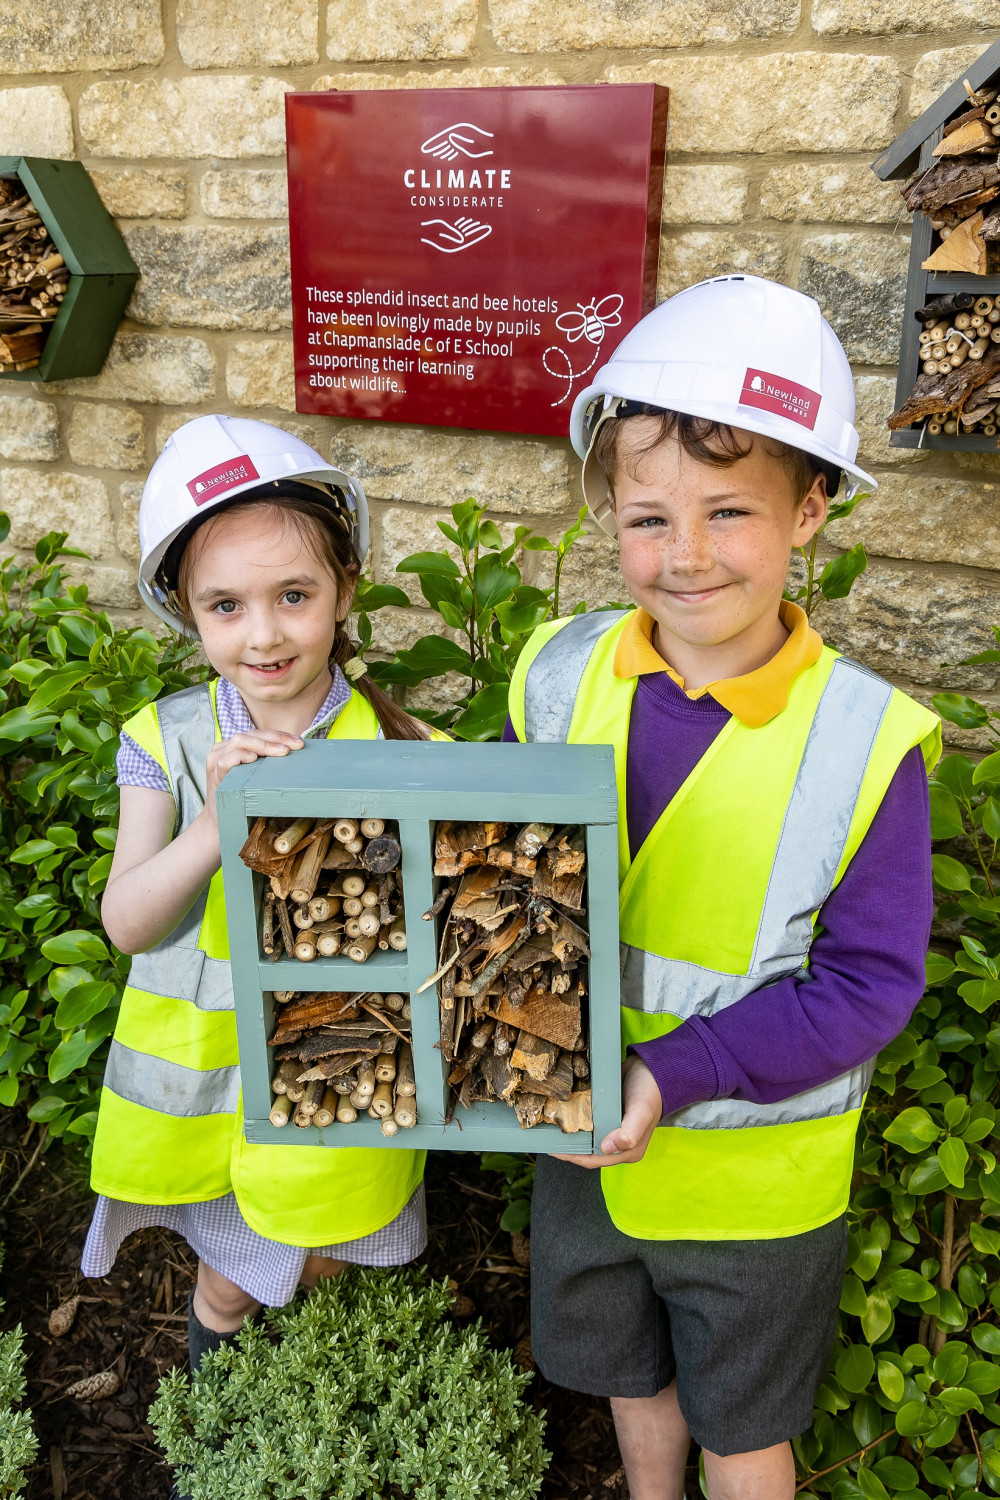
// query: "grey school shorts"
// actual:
[[745, 1327]]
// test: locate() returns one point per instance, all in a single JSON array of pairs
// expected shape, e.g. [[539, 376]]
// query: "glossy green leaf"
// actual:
[[960, 710], [877, 1316], [910, 1286], [62, 981], [980, 994], [71, 947], [19, 725], [955, 771], [83, 1003], [70, 1055], [983, 1377], [957, 1400], [927, 1177], [897, 1472], [853, 1297], [838, 577], [950, 874], [855, 1367], [986, 1241], [938, 968], [953, 1156], [485, 716], [871, 1486], [946, 816], [913, 1129], [988, 770], [914, 1419], [890, 1379], [429, 562]]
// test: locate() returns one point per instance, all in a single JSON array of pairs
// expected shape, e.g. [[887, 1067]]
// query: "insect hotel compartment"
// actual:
[[948, 167], [513, 980], [332, 887], [339, 1055], [65, 272], [347, 1049]]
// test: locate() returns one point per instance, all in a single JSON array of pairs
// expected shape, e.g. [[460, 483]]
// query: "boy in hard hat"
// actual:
[[774, 859]]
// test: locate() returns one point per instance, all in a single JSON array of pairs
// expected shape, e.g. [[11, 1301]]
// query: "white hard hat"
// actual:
[[212, 461], [738, 350]]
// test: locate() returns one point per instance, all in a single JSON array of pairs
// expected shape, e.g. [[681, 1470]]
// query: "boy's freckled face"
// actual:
[[705, 549]]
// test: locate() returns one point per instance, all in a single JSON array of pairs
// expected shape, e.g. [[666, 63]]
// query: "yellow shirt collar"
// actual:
[[755, 698]]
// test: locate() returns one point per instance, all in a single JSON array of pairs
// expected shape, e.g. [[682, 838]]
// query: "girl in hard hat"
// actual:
[[775, 893], [250, 540]]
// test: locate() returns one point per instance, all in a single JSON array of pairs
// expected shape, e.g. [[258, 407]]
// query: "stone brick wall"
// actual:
[[776, 110]]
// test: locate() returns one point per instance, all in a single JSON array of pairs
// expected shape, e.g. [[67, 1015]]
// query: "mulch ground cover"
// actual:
[[135, 1323]]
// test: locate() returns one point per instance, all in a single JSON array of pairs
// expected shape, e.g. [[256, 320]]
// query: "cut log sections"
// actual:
[[333, 886], [958, 389], [512, 976], [33, 279], [339, 1054]]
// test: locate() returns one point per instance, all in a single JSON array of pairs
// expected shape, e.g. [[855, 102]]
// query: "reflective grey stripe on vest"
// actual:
[[553, 679], [810, 847], [177, 967], [169, 1087]]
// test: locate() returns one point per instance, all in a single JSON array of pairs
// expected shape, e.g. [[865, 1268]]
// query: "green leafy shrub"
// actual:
[[482, 597], [916, 1371], [68, 681], [371, 1393], [18, 1443]]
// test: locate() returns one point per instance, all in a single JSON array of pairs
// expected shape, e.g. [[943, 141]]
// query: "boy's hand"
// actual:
[[241, 750], [643, 1107]]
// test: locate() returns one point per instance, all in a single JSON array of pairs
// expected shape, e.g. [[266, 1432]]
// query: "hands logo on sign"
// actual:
[[450, 238], [589, 321], [457, 140]]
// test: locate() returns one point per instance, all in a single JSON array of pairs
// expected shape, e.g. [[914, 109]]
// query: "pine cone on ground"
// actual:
[[95, 1387]]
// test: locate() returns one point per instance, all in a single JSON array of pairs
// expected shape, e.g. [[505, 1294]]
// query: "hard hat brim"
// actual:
[[326, 474], [595, 483]]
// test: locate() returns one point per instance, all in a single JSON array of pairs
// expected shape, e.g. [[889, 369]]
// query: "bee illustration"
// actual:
[[592, 319]]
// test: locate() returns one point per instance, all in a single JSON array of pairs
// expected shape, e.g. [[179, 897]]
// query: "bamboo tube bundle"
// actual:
[[340, 1055], [334, 886], [958, 388], [512, 980], [33, 279]]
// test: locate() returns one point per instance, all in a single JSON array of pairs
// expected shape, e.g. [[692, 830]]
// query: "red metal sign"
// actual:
[[467, 258]]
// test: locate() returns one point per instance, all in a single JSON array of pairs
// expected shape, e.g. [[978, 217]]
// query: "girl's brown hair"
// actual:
[[325, 532]]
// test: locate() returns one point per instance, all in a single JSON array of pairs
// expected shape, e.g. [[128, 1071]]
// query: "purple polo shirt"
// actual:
[[866, 964]]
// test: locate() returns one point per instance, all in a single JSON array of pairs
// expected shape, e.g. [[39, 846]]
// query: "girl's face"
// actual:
[[265, 606]]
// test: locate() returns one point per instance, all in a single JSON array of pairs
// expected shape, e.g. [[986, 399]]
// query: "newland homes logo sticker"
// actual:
[[783, 397], [223, 477], [474, 184]]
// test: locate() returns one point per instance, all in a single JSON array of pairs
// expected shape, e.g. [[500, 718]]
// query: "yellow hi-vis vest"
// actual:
[[721, 900], [170, 1126]]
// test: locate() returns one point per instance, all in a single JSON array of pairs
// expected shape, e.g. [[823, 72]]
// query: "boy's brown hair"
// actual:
[[710, 443]]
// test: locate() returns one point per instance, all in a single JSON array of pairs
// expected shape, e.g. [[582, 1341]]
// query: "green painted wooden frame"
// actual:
[[102, 272], [417, 783]]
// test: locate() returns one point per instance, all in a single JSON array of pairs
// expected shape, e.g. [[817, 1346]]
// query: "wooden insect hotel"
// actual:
[[948, 163], [424, 945], [65, 272]]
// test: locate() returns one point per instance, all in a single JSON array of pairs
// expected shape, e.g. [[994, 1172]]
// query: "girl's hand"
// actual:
[[242, 750], [643, 1107]]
